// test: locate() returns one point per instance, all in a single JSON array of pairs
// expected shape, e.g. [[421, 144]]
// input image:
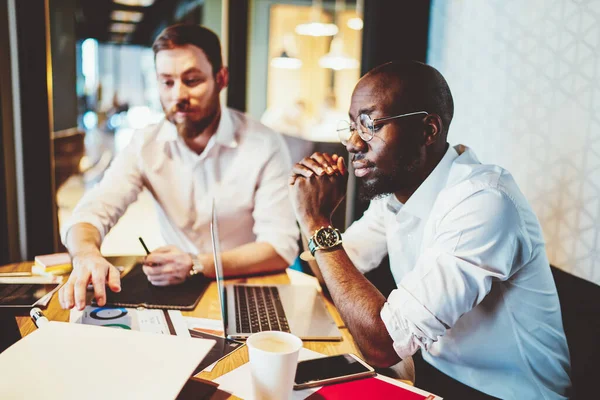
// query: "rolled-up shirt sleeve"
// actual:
[[105, 203], [476, 243], [274, 219], [365, 240]]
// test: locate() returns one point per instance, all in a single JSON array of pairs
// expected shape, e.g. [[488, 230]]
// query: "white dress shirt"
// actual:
[[244, 168], [475, 290]]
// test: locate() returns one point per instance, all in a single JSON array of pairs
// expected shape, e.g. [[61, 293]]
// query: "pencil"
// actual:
[[144, 244]]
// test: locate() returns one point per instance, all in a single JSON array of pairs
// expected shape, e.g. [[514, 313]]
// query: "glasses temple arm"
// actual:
[[398, 116]]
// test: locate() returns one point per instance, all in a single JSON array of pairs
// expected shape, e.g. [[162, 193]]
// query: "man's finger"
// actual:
[[165, 280], [324, 161], [80, 289], [99, 282], [157, 270], [313, 165], [300, 169], [157, 259], [341, 164], [60, 296], [331, 162], [114, 279], [160, 282], [68, 300]]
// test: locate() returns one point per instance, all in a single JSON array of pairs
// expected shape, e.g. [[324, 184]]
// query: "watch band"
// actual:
[[312, 246], [197, 266]]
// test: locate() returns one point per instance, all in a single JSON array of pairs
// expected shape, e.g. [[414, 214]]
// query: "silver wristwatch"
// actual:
[[197, 266]]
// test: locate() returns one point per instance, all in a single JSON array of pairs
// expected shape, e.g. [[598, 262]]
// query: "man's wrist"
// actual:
[[94, 252], [310, 227], [197, 265]]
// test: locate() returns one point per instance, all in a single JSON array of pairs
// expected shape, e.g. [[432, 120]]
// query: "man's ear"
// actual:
[[433, 129], [222, 78]]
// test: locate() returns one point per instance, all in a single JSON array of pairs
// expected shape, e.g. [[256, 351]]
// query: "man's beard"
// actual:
[[188, 128], [402, 176]]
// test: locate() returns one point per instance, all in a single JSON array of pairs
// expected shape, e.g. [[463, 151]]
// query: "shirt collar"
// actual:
[[225, 134], [167, 132], [421, 201]]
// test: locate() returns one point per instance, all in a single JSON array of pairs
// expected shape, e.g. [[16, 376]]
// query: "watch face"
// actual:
[[326, 237]]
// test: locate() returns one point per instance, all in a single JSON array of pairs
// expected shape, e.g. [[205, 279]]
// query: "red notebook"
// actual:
[[368, 388]]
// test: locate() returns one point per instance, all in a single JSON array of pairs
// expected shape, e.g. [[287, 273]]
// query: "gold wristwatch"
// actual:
[[324, 238]]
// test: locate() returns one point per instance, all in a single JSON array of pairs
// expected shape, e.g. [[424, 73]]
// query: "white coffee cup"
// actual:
[[273, 361]]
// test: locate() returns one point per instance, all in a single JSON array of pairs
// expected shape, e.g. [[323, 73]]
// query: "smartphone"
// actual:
[[333, 369]]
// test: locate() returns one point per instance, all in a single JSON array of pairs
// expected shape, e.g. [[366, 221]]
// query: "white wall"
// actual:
[[525, 76]]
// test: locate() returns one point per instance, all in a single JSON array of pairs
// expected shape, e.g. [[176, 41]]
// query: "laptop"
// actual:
[[247, 309]]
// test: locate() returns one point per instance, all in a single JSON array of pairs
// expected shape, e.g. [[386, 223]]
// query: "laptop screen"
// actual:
[[216, 245]]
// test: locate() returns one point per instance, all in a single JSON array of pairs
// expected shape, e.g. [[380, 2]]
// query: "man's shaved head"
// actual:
[[412, 86], [402, 151]]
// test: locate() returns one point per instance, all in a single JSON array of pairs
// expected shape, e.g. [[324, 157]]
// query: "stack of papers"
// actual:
[[74, 361], [52, 264]]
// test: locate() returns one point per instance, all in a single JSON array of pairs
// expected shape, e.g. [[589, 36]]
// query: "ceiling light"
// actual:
[[315, 27], [336, 59], [355, 23], [120, 27], [284, 61], [126, 16], [135, 3]]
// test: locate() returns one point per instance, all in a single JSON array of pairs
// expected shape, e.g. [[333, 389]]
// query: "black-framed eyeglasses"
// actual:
[[345, 129]]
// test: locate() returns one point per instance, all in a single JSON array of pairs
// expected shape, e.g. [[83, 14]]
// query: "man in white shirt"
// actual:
[[200, 152], [475, 293]]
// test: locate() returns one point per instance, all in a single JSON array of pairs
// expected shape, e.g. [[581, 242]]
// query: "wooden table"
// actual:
[[208, 307]]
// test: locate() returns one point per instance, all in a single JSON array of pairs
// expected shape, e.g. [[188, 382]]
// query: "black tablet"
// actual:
[[24, 294], [137, 291]]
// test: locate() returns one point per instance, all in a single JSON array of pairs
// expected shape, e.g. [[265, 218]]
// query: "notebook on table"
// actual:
[[376, 387], [137, 291]]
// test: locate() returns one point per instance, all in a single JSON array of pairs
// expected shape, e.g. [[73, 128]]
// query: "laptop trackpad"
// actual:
[[306, 313]]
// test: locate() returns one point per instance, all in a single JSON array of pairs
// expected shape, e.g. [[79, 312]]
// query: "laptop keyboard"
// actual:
[[259, 309]]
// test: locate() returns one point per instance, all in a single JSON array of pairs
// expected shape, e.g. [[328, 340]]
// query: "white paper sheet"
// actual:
[[206, 325], [144, 320], [408, 387], [239, 382], [74, 361]]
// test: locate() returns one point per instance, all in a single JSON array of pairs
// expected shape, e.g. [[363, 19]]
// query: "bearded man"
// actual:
[[200, 152], [475, 304]]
